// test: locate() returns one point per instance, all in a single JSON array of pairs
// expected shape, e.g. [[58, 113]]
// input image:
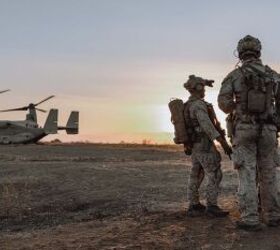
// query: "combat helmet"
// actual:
[[249, 45], [195, 83]]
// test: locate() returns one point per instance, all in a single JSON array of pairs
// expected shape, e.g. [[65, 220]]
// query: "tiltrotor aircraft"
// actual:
[[28, 130]]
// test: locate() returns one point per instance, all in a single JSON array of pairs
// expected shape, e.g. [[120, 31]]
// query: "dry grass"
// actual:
[[104, 196]]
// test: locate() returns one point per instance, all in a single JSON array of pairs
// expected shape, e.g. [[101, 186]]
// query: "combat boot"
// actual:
[[196, 210], [215, 211], [249, 227]]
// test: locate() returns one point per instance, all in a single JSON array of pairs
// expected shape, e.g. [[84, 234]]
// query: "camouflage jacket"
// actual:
[[200, 120], [230, 92]]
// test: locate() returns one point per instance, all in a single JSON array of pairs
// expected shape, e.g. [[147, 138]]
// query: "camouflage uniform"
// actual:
[[205, 157], [204, 153], [254, 145]]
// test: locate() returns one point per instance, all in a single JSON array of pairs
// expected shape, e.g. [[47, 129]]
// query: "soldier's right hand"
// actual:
[[227, 149], [187, 150], [225, 145]]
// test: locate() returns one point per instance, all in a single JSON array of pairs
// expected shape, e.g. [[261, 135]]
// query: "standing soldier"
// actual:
[[249, 95], [200, 118]]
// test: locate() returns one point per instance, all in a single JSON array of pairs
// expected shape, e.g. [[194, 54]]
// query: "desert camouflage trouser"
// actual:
[[253, 156], [205, 164]]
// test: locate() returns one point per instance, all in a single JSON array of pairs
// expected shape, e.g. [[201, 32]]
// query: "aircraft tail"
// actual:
[[50, 126], [72, 126]]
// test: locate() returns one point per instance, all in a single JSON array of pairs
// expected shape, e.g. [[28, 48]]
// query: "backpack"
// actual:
[[181, 122], [257, 97]]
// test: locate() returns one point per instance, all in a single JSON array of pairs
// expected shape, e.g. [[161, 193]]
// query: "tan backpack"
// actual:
[[182, 124]]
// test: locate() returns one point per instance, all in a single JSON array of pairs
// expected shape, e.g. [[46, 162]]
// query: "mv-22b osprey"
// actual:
[[28, 130]]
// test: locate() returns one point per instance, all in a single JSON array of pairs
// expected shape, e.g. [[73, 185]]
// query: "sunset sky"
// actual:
[[120, 61]]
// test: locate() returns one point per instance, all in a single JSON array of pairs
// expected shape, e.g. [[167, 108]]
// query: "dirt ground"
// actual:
[[85, 196]]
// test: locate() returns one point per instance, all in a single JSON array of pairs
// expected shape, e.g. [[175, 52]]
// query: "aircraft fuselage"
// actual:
[[20, 132]]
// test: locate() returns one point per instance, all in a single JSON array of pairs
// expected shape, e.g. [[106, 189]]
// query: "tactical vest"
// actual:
[[257, 95]]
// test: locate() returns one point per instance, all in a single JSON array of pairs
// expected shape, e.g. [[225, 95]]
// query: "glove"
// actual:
[[187, 150], [225, 146]]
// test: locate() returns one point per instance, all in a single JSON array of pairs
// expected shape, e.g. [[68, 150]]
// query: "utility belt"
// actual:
[[232, 120], [202, 143]]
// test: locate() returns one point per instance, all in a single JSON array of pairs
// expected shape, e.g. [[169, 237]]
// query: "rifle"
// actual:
[[221, 131]]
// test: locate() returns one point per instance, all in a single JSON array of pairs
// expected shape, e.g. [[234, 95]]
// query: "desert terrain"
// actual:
[[98, 196]]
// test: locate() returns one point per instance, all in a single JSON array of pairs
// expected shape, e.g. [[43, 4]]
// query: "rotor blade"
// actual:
[[42, 110], [3, 91], [52, 96], [17, 109]]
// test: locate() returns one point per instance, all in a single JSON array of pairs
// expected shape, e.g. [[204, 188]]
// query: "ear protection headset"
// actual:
[[199, 87]]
